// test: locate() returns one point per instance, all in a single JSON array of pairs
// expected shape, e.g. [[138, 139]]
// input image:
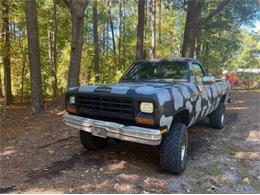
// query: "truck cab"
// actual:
[[154, 103]]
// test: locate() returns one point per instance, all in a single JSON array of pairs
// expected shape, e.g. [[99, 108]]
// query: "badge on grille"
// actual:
[[103, 89]]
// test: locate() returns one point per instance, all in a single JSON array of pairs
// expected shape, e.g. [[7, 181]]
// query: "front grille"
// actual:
[[105, 106]]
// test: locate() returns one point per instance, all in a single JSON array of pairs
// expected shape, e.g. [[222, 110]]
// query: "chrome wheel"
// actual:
[[184, 148], [222, 119], [183, 152]]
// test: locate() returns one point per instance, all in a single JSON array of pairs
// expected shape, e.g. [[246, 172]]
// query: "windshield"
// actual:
[[158, 71]]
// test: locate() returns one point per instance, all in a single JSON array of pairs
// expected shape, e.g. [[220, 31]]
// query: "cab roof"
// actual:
[[168, 60]]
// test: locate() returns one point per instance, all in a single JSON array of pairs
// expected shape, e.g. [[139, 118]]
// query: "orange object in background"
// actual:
[[232, 78], [71, 110]]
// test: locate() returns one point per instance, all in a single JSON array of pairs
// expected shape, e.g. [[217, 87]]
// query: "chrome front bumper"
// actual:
[[115, 130]]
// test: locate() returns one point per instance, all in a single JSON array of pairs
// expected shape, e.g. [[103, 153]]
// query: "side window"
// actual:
[[197, 72]]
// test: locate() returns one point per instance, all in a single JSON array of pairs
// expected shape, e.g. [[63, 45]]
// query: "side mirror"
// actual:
[[208, 79]]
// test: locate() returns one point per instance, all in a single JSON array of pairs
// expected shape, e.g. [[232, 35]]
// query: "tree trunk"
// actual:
[[103, 37], [191, 27], [51, 59], [120, 32], [5, 98], [6, 50], [107, 32], [23, 58], [54, 67], [160, 20], [34, 55], [206, 53], [77, 8], [140, 31], [147, 18], [104, 31], [153, 27], [112, 31], [96, 44], [124, 33], [1, 88], [197, 48], [23, 75]]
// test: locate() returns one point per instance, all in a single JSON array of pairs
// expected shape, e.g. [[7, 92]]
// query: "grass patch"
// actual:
[[198, 189], [228, 148], [208, 169], [213, 169], [243, 172]]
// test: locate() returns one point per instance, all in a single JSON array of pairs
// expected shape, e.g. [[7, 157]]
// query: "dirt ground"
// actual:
[[39, 154]]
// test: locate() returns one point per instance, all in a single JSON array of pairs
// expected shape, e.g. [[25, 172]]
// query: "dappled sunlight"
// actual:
[[8, 151], [42, 191], [108, 184], [61, 113], [117, 166], [85, 186], [154, 182], [16, 106], [237, 108], [254, 136], [101, 185], [245, 90], [124, 187], [248, 155], [238, 102], [128, 177]]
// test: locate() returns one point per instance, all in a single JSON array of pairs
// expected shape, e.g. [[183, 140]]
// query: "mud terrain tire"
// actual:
[[173, 151], [217, 118]]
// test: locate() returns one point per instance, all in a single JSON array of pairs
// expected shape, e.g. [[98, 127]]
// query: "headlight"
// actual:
[[72, 100], [146, 107]]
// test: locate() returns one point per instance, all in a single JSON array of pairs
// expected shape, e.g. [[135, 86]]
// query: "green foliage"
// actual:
[[248, 54], [222, 42]]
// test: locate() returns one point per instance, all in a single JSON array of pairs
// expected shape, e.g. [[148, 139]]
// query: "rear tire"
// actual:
[[173, 152], [217, 118], [92, 142]]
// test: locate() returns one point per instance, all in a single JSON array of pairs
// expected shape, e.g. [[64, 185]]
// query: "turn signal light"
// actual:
[[71, 110], [145, 121], [164, 130]]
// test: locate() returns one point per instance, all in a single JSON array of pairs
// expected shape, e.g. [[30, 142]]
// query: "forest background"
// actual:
[[50, 45]]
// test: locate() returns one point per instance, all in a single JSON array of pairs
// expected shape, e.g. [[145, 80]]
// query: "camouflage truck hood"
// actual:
[[162, 91], [127, 88]]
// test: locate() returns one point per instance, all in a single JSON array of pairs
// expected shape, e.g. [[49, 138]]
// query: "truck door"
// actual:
[[204, 102]]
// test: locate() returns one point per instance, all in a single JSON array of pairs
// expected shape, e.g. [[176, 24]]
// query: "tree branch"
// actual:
[[215, 12]]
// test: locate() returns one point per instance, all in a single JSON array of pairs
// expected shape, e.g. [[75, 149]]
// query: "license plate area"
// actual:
[[99, 131]]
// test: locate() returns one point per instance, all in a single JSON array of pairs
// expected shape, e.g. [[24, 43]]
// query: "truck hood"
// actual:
[[162, 91], [129, 88]]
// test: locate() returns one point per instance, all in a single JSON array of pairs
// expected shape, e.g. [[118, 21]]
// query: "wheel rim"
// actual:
[[183, 150], [222, 118]]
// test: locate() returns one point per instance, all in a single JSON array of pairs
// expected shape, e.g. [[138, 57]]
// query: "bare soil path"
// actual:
[[39, 154]]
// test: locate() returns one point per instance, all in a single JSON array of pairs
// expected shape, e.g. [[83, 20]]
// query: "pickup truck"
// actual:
[[154, 103]]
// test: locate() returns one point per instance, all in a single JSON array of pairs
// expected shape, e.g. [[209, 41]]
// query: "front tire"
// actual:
[[92, 142], [173, 152], [217, 118]]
